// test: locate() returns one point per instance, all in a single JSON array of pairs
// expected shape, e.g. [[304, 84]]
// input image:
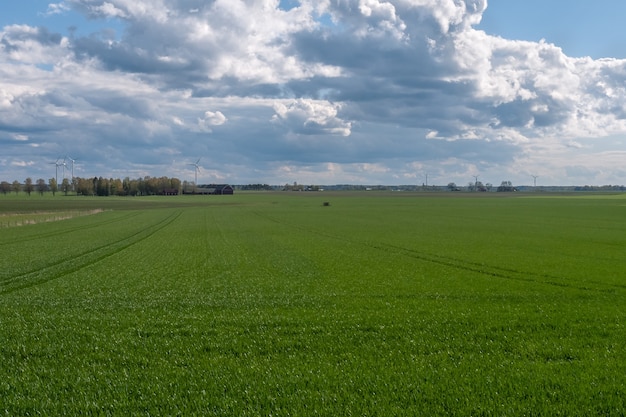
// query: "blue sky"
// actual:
[[581, 28], [40, 13], [319, 92]]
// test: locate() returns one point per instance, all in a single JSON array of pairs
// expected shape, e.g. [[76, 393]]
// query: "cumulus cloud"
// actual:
[[57, 8], [311, 117], [23, 44], [340, 91], [211, 119]]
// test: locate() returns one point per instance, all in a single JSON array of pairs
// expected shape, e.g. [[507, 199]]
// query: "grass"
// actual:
[[22, 219], [274, 304]]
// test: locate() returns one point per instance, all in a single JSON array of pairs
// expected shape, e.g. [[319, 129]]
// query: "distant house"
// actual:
[[169, 191], [222, 189], [215, 189]]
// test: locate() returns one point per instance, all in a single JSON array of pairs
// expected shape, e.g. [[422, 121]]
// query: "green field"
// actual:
[[379, 304]]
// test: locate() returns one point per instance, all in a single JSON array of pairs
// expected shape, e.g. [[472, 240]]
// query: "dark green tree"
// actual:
[[506, 186], [28, 186], [54, 187], [42, 187], [65, 186], [5, 187], [16, 186]]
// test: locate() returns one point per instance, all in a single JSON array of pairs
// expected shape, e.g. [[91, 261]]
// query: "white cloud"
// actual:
[[6, 99], [214, 118], [57, 8], [22, 164], [153, 10], [450, 14], [311, 117], [401, 82], [211, 119]]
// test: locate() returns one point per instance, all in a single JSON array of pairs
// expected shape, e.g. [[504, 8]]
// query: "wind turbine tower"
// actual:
[[63, 164], [56, 170], [72, 160], [534, 180], [72, 168], [196, 169]]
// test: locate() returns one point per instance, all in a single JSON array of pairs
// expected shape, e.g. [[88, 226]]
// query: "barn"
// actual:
[[223, 189], [169, 191], [215, 189]]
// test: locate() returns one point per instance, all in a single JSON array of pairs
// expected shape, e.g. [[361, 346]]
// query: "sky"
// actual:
[[317, 92]]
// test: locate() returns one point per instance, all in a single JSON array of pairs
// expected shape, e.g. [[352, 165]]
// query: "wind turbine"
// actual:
[[63, 164], [475, 182], [534, 180], [56, 170], [72, 160], [196, 169]]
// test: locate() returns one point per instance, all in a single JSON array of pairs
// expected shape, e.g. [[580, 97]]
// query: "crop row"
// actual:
[[276, 304], [61, 258]]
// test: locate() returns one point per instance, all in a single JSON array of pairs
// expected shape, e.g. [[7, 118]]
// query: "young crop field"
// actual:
[[375, 304]]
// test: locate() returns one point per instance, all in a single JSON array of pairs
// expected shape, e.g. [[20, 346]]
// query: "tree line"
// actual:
[[99, 186]]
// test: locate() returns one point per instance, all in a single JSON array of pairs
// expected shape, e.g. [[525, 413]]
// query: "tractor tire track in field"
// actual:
[[81, 228], [485, 269], [461, 264], [77, 262]]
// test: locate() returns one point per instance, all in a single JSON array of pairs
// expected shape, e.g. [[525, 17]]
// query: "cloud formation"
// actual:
[[314, 91]]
